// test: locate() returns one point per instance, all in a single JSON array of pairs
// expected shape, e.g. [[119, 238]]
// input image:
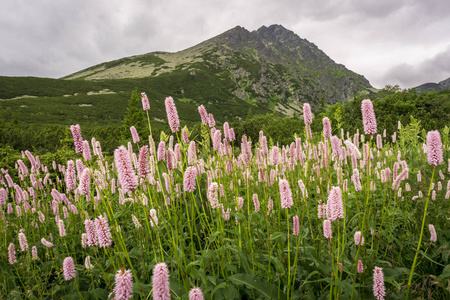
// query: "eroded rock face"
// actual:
[[286, 66]]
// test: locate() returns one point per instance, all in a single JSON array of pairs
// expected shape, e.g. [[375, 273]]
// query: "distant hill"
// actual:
[[441, 86]]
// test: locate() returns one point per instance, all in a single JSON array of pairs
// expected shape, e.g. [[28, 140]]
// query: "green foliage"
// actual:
[[391, 105], [338, 117], [205, 139], [39, 124], [445, 135], [134, 117], [8, 158], [274, 126], [410, 134]]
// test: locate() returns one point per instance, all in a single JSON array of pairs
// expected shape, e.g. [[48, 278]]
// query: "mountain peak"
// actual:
[[271, 66], [274, 28], [236, 30]]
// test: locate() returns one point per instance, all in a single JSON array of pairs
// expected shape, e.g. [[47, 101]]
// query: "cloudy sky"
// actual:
[[404, 42]]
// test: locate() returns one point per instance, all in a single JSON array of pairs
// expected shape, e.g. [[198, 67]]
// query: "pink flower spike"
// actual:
[[85, 182], [327, 229], [68, 268], [145, 102], [34, 253], [256, 202], [127, 177], [335, 209], [12, 254], [358, 239], [70, 177], [77, 139], [307, 113], [185, 135], [62, 229], [217, 138], [335, 146], [90, 232], [23, 242], [368, 116], [326, 128], [434, 148], [103, 232], [203, 114], [432, 233], [360, 267], [46, 243], [192, 153], [295, 226], [285, 194], [86, 151], [226, 129], [196, 294], [161, 151], [378, 284], [87, 263], [160, 282], [211, 121], [189, 179], [172, 114], [143, 162], [379, 141], [123, 287], [213, 195], [134, 134]]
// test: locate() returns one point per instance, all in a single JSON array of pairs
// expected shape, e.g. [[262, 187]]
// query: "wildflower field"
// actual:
[[358, 215]]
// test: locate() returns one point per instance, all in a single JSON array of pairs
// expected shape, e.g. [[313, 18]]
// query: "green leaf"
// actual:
[[396, 272], [393, 282], [244, 261], [213, 236], [218, 287], [190, 266], [118, 214], [310, 274], [445, 275], [266, 288], [276, 262], [101, 293], [277, 235], [429, 258], [146, 289]]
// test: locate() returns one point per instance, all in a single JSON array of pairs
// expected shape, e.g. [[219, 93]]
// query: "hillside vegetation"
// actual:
[[45, 128], [248, 210]]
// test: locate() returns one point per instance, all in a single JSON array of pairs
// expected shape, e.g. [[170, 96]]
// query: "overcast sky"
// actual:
[[388, 41]]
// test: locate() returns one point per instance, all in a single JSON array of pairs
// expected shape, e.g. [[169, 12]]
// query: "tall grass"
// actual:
[[228, 231]]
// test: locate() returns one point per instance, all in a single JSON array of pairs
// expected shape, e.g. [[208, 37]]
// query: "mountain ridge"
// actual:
[[432, 86]]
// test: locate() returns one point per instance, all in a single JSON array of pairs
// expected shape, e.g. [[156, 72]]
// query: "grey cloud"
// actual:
[[434, 69]]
